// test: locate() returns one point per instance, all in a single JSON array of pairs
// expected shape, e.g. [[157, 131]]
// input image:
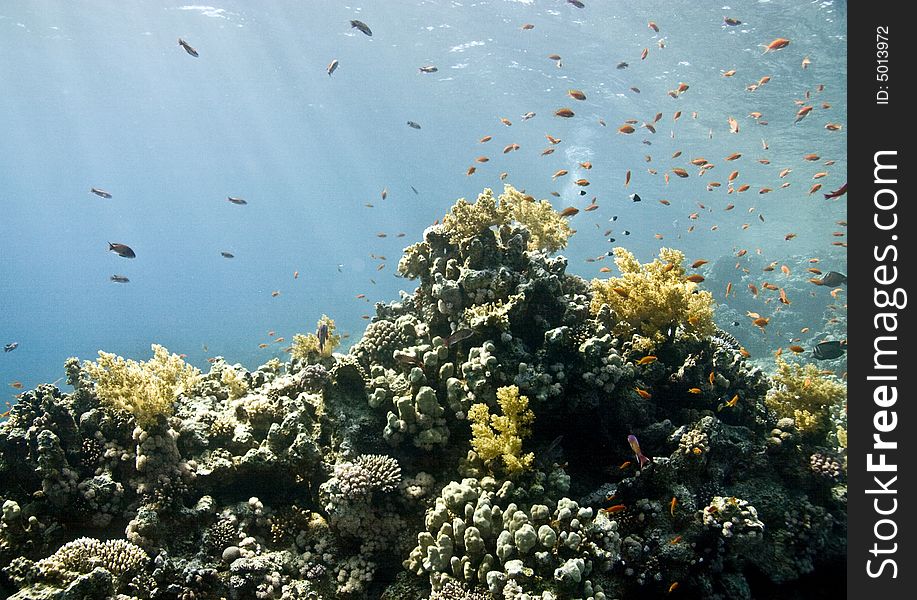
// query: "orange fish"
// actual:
[[797, 349], [776, 45], [680, 172], [527, 26], [676, 115], [699, 162], [591, 207], [582, 182], [729, 73], [672, 505], [576, 94], [675, 540], [295, 274], [643, 393], [470, 170], [694, 278], [754, 289], [506, 121], [17, 385], [605, 270], [712, 377], [623, 466], [733, 125], [586, 165], [547, 151], [485, 139], [673, 587], [262, 346], [789, 236], [820, 175], [665, 202], [481, 159], [694, 390], [627, 178], [728, 288], [653, 26], [646, 360], [626, 129], [761, 322], [275, 293], [569, 211], [614, 509], [803, 112], [644, 54], [814, 188], [698, 263], [563, 112], [833, 126]]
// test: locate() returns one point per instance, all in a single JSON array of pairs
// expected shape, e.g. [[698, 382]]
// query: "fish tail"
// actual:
[[642, 459]]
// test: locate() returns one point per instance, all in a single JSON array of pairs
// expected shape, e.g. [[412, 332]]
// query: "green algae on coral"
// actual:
[[147, 389], [649, 299]]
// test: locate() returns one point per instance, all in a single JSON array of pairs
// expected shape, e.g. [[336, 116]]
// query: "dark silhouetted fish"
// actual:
[[119, 279], [362, 27], [332, 66], [11, 346], [623, 65], [731, 21], [829, 350], [576, 3], [414, 189], [227, 255], [322, 332], [413, 125], [837, 193], [833, 278], [236, 200], [428, 69], [187, 47], [636, 197], [100, 192], [121, 250]]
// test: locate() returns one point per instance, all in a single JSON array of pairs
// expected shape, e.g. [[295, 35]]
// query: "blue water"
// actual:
[[98, 93]]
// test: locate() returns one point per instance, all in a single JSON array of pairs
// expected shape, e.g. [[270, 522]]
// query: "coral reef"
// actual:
[[472, 444]]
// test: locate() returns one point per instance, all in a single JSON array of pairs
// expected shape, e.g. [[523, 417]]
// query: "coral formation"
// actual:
[[650, 299], [472, 444], [144, 389], [500, 436]]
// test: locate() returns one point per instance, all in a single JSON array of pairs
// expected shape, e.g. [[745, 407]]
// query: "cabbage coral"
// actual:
[[548, 230], [148, 389], [650, 298], [802, 393], [500, 436]]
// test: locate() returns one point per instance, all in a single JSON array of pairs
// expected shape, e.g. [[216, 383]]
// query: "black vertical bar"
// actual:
[[881, 561]]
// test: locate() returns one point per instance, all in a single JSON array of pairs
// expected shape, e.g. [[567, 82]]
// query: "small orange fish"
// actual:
[[733, 401], [676, 115], [742, 252], [275, 293], [481, 159], [699, 162], [680, 172], [471, 170], [734, 156], [646, 360], [814, 188], [729, 73], [675, 540], [695, 278], [643, 393], [761, 322], [673, 587], [279, 340], [797, 349], [789, 236], [711, 377], [698, 263], [820, 175], [785, 270], [694, 390], [626, 129], [527, 26], [614, 509], [553, 140], [665, 202], [733, 125], [17, 385], [591, 207], [569, 211], [559, 173], [547, 151], [623, 466], [564, 112], [653, 26], [644, 54], [627, 178], [777, 44], [672, 505], [582, 182], [506, 121], [485, 139], [262, 346], [605, 270], [728, 288], [765, 190], [586, 165], [833, 126], [576, 94]]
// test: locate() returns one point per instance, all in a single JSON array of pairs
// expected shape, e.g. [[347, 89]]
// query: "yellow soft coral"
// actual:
[[547, 228], [804, 394], [306, 347], [496, 436], [148, 389], [549, 231], [650, 298]]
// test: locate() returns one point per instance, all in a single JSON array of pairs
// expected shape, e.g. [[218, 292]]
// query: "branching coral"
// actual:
[[144, 389], [802, 393], [548, 229], [496, 436], [308, 346], [650, 298]]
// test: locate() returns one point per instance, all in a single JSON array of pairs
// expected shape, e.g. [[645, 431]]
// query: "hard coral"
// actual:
[[648, 299], [500, 436], [144, 389]]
